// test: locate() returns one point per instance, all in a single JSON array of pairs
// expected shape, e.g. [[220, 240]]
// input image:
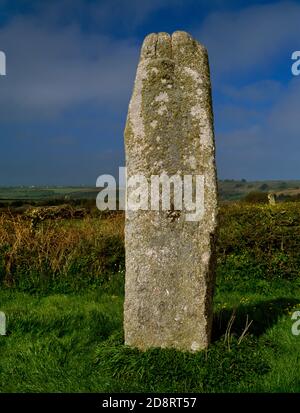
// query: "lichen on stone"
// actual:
[[170, 128]]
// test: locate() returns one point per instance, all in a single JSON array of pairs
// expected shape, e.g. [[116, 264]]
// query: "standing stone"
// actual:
[[272, 198], [170, 261]]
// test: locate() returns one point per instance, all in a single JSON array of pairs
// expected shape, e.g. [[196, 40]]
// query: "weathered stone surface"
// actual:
[[169, 260]]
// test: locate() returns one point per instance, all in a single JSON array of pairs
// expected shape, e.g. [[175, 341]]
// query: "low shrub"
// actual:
[[256, 242]]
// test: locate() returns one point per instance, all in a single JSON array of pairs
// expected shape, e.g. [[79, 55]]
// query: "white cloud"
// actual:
[[49, 70]]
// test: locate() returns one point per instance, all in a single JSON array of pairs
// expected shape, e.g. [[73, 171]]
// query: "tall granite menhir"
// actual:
[[169, 260]]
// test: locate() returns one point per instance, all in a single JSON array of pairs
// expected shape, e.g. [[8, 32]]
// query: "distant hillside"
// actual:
[[229, 190], [46, 193]]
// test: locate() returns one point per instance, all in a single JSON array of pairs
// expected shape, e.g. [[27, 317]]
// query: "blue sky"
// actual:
[[70, 71]]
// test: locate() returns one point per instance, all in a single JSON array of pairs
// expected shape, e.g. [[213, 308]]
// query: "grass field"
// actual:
[[65, 310], [74, 343]]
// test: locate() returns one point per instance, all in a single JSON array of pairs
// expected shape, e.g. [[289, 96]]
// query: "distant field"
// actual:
[[234, 190], [44, 193], [228, 190]]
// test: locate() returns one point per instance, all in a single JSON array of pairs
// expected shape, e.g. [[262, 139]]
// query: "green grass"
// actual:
[[74, 343], [51, 341]]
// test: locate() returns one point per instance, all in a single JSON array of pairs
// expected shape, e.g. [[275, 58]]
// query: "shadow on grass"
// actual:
[[263, 316]]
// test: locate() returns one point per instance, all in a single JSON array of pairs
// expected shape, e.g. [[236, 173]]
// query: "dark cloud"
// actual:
[[70, 71], [256, 97], [265, 147], [251, 38]]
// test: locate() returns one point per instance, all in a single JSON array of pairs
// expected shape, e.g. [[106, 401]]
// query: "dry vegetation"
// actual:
[[59, 248]]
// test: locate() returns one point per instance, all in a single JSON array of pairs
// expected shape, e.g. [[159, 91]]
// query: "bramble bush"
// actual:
[[259, 241], [60, 255], [256, 242]]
